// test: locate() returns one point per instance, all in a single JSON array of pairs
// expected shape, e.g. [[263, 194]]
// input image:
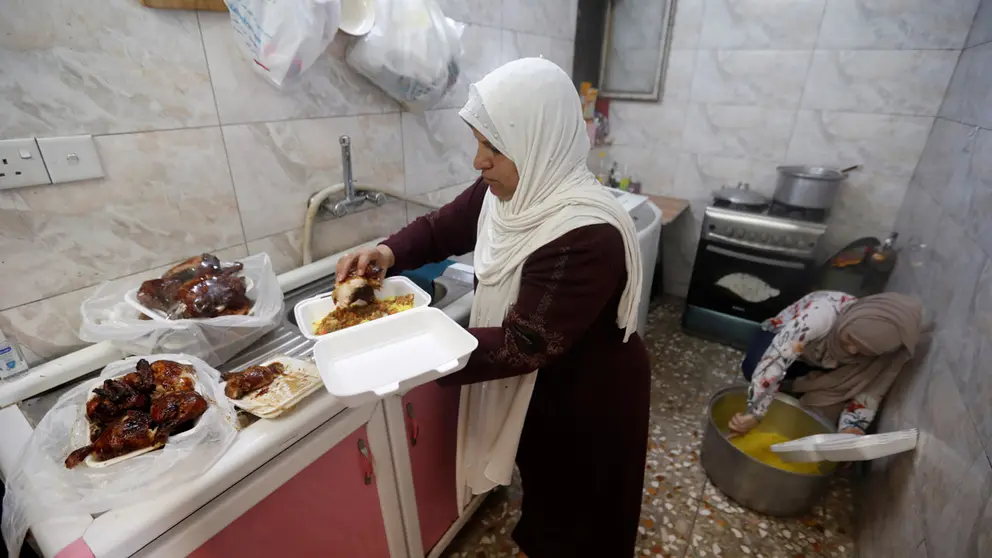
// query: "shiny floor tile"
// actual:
[[683, 515]]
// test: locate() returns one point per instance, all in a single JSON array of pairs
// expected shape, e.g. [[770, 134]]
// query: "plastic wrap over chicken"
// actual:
[[142, 403], [200, 287], [217, 309]]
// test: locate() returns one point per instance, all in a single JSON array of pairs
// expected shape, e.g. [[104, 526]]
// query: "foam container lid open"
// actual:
[[367, 362]]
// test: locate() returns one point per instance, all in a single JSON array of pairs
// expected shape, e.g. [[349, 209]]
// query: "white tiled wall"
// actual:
[[202, 155], [753, 84], [939, 498]]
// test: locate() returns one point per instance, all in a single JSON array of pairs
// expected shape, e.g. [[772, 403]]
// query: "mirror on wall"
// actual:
[[636, 41]]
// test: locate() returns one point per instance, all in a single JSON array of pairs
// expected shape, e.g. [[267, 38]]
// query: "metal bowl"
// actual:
[[746, 480]]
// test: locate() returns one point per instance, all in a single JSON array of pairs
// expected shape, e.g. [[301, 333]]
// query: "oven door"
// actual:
[[747, 283]]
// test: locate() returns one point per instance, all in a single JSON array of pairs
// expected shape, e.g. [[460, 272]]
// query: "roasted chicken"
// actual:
[[172, 411], [132, 432], [169, 375], [140, 409], [354, 288], [199, 287], [248, 380], [113, 399]]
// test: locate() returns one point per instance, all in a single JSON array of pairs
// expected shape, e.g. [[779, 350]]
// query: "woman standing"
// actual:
[[560, 381], [840, 353]]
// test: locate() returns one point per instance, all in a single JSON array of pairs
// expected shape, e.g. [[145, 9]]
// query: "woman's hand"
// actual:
[[381, 257], [742, 424]]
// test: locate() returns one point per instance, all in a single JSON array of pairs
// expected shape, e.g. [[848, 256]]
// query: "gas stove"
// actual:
[[752, 261], [762, 231]]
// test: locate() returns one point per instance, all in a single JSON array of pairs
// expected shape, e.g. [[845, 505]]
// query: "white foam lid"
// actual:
[[846, 447]]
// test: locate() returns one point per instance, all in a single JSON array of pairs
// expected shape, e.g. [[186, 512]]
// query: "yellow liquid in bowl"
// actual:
[[757, 444]]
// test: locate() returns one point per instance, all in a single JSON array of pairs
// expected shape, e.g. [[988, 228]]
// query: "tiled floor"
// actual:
[[683, 514]]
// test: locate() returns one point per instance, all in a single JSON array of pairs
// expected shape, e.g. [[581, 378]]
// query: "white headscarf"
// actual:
[[529, 110]]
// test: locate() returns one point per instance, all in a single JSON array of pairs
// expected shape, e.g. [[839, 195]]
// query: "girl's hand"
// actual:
[[742, 423], [381, 257]]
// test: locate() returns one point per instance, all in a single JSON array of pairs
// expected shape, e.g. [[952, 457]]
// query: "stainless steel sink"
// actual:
[[284, 339]]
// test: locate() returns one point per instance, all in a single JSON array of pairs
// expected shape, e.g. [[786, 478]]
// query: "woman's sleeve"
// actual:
[[449, 231], [565, 285], [812, 320]]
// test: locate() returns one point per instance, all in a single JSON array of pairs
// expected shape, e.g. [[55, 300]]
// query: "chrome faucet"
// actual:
[[353, 197]]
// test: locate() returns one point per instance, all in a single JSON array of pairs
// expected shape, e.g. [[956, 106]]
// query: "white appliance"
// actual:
[[647, 221]]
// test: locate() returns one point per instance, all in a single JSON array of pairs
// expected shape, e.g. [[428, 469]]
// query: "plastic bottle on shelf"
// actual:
[[11, 361]]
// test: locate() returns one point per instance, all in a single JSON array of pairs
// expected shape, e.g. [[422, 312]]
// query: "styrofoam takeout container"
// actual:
[[299, 379], [131, 297], [846, 447], [311, 311], [92, 461], [375, 359]]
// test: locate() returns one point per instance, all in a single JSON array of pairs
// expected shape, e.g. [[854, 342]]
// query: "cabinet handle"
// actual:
[[367, 467], [414, 427]]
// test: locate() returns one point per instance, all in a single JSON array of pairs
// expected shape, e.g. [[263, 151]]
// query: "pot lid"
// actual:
[[813, 172], [740, 195]]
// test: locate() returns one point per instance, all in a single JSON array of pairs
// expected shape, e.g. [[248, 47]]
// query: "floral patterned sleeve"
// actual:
[[808, 319], [859, 413]]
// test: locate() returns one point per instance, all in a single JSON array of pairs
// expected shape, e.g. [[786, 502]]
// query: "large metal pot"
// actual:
[[809, 187], [749, 482]]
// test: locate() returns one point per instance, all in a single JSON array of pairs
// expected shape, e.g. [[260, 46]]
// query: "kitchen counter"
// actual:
[[127, 530], [670, 207]]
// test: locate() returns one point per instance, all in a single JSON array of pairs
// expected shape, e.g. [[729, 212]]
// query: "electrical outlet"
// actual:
[[71, 158], [21, 164]]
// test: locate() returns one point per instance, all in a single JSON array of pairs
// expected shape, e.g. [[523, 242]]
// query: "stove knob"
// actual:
[[729, 231], [764, 237]]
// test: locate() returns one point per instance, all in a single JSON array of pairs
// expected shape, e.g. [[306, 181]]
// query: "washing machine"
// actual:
[[647, 222]]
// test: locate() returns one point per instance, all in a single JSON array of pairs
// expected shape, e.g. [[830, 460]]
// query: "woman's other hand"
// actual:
[[360, 260], [853, 430], [742, 424]]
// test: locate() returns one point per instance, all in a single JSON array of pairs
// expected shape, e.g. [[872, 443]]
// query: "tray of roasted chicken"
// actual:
[[357, 300], [200, 287], [271, 388], [140, 412]]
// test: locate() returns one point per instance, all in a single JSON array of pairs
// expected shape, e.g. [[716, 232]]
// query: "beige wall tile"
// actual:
[[75, 68], [882, 82], [331, 236], [737, 131], [881, 144], [763, 78], [278, 165], [165, 194], [438, 149], [904, 24], [761, 24]]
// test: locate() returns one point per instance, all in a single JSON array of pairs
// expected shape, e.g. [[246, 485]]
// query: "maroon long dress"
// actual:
[[582, 451]]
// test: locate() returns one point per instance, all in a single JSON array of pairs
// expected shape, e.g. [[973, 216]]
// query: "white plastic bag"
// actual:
[[281, 39], [42, 488], [106, 316], [412, 53]]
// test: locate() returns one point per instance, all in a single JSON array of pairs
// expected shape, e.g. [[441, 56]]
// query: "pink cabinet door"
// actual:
[[326, 510], [431, 414]]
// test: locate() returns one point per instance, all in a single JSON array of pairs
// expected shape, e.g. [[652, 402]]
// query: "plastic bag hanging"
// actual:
[[108, 316], [281, 40], [413, 52]]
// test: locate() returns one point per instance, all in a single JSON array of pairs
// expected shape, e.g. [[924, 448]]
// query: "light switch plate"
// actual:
[[21, 164], [71, 158]]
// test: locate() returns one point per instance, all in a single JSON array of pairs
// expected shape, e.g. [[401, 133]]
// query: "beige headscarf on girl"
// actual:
[[886, 329]]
